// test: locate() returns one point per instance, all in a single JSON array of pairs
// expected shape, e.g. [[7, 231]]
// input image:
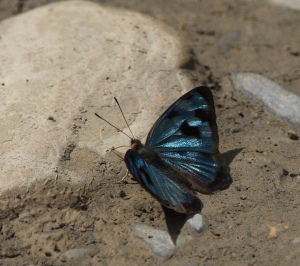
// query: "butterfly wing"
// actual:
[[207, 173], [186, 137], [155, 180], [188, 124]]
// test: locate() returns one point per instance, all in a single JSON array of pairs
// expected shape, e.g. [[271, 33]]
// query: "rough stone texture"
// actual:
[[276, 100], [158, 240], [197, 222], [61, 63], [162, 243], [293, 4], [78, 254]]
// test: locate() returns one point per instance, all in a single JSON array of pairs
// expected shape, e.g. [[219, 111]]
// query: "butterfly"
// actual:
[[181, 156]]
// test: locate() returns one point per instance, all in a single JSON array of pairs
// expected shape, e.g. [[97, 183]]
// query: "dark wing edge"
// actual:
[[164, 189]]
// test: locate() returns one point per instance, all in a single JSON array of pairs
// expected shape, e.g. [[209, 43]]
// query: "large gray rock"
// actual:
[[62, 62]]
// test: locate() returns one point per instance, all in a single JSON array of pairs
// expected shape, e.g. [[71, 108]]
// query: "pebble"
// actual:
[[293, 4], [292, 135], [158, 240], [278, 228], [280, 177], [197, 223], [296, 240], [276, 99], [250, 160], [258, 124], [238, 127], [78, 254], [91, 239], [123, 242], [229, 39], [223, 46], [232, 36]]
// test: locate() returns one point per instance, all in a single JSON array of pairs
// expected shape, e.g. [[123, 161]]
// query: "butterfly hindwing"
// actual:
[[207, 173], [157, 183]]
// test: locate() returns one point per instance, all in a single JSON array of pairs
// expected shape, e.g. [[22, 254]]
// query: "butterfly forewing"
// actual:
[[188, 125]]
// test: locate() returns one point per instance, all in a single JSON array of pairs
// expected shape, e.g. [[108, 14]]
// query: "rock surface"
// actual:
[[276, 100], [293, 4], [158, 240], [61, 63], [78, 254], [197, 222]]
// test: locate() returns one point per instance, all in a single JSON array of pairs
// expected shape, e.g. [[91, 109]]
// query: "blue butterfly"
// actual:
[[180, 156]]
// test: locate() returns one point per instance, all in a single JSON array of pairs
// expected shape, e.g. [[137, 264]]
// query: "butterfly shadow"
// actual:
[[230, 155], [175, 221]]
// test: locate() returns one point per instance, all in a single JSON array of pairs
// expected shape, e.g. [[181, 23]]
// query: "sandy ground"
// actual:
[[254, 222]]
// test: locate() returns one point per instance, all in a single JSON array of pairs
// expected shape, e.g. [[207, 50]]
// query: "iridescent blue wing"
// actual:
[[206, 173], [155, 180], [189, 124], [186, 138]]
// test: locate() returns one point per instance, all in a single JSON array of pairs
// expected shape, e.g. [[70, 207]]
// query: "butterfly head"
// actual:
[[135, 144], [139, 147], [145, 151]]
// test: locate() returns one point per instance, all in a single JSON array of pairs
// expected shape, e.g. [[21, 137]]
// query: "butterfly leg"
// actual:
[[124, 177], [113, 150]]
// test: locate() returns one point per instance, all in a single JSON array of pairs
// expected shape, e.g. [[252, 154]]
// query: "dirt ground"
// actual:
[[254, 222]]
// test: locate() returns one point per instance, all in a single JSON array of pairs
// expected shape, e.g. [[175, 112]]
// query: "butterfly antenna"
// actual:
[[119, 130], [124, 117]]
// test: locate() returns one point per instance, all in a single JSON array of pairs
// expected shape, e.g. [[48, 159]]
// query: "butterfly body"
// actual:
[[180, 156]]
